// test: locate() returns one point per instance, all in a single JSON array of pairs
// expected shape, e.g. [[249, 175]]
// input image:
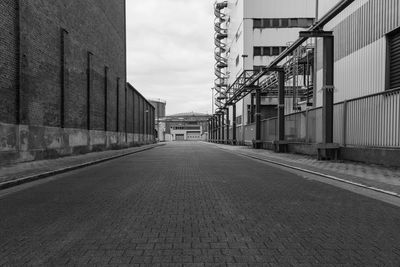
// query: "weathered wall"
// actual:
[[8, 60], [63, 79]]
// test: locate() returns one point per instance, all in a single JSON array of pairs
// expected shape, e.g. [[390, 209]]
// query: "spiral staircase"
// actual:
[[220, 37]]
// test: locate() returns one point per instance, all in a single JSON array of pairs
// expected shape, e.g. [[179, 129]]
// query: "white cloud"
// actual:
[[170, 52]]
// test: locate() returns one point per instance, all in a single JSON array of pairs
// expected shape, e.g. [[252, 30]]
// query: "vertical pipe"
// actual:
[[219, 128], [126, 112], [117, 124], [89, 87], [227, 125], [19, 64], [222, 127], [315, 67], [252, 108], [258, 118], [344, 129], [281, 105], [63, 77], [105, 97], [328, 88], [234, 124]]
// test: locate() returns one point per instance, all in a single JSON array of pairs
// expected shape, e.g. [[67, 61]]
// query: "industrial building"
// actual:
[[189, 126], [249, 35], [335, 88], [63, 83]]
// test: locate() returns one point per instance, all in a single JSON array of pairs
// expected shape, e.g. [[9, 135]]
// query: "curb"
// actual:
[[27, 179], [393, 194]]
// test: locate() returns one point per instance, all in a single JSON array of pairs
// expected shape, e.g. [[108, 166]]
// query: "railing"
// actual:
[[369, 121]]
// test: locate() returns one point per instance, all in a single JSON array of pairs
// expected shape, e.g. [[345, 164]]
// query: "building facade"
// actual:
[[63, 79], [184, 127], [362, 80], [256, 33], [159, 106]]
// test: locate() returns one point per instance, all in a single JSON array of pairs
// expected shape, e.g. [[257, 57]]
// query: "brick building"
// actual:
[[63, 79]]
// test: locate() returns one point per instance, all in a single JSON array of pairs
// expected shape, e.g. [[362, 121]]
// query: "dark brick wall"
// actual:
[[8, 60], [71, 60], [129, 126], [136, 114], [112, 103], [141, 116], [95, 26]]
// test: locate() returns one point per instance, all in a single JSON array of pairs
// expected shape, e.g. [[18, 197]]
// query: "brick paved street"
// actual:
[[194, 205]]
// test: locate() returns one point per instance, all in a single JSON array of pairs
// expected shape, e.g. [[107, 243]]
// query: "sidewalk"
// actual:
[[383, 178], [19, 173]]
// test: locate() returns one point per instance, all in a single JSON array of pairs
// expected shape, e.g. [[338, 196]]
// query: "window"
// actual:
[[268, 50], [293, 23], [285, 23], [257, 23], [267, 23], [275, 23], [394, 60], [257, 51], [275, 50], [258, 68], [239, 119], [305, 22]]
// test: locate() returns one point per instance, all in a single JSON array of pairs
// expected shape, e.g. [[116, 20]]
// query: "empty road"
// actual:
[[193, 204]]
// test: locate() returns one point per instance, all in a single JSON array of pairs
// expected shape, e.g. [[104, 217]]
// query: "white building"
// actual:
[[258, 31], [366, 119]]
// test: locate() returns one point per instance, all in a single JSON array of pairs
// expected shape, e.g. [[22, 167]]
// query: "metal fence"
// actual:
[[369, 121]]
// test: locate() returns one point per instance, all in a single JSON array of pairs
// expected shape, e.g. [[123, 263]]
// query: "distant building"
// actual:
[[159, 106], [184, 127]]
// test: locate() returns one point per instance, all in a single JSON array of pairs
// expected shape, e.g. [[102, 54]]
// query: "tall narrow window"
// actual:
[[394, 60]]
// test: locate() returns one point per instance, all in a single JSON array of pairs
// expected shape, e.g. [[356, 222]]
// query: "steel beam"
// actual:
[[243, 91]]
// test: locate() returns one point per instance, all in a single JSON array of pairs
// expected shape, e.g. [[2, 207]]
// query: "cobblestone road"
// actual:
[[194, 205]]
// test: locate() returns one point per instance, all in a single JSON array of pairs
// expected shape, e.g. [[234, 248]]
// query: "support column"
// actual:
[[214, 129], [222, 127], [219, 128], [209, 130], [281, 105], [327, 149], [258, 119], [328, 88], [251, 108], [280, 145], [234, 124], [227, 125]]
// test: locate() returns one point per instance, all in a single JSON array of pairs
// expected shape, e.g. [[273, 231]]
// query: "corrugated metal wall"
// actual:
[[360, 48]]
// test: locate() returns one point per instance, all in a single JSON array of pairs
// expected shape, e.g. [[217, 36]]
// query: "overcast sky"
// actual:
[[170, 52]]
